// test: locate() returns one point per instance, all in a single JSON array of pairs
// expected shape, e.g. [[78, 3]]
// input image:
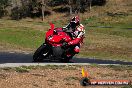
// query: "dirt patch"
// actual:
[[61, 76]]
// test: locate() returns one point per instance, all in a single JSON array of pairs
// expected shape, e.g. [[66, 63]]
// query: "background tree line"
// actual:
[[18, 9]]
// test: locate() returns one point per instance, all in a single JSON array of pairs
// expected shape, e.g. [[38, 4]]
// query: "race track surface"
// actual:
[[12, 57]]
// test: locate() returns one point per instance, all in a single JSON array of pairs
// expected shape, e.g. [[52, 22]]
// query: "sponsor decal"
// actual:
[[87, 81]]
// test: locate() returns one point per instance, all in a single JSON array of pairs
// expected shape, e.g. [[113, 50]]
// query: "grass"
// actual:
[[70, 68], [40, 77], [71, 78], [21, 37], [54, 67], [7, 68], [109, 43], [22, 69], [119, 68], [129, 86], [101, 43]]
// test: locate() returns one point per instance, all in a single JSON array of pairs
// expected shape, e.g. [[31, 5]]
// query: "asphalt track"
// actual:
[[25, 58]]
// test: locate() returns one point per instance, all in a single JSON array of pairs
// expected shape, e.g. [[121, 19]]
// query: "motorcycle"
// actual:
[[54, 48]]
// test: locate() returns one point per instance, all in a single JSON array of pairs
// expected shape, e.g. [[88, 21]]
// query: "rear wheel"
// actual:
[[66, 59], [41, 53]]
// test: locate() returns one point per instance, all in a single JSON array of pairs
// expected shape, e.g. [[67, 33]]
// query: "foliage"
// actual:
[[33, 8], [22, 69], [19, 12], [3, 5]]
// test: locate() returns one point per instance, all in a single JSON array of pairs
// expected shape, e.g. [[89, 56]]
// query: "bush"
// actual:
[[98, 2], [3, 5], [1, 12], [18, 13]]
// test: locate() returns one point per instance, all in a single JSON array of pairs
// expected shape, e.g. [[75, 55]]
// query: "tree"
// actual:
[[20, 9], [77, 6], [70, 6], [43, 8], [38, 8], [3, 5]]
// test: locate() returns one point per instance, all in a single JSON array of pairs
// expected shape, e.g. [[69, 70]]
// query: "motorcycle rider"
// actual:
[[76, 32]]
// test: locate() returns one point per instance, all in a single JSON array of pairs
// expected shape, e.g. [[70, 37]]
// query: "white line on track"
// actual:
[[44, 64], [11, 52]]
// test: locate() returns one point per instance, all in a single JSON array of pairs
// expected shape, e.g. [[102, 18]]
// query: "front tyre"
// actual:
[[41, 53]]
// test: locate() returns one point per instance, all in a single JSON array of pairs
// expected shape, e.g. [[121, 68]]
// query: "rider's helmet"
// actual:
[[75, 21]]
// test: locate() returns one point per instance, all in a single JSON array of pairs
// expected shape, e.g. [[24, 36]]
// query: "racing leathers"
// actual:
[[77, 37]]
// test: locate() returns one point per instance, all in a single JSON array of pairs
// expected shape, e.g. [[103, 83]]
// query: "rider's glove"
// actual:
[[65, 29]]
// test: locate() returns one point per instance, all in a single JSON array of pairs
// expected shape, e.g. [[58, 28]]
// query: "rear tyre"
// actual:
[[41, 53], [65, 60]]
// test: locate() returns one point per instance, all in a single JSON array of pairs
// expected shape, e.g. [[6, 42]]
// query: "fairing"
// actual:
[[56, 36]]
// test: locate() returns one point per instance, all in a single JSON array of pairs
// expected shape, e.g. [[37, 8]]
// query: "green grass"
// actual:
[[22, 37], [21, 69], [105, 46], [108, 21], [109, 43], [101, 43], [128, 86], [113, 31]]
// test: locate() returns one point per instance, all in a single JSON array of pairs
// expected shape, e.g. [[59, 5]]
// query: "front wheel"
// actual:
[[41, 53]]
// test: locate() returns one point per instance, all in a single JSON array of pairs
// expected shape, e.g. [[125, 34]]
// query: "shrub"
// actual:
[[3, 5]]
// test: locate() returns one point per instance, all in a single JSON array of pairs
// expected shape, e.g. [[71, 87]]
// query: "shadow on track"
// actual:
[[6, 57]]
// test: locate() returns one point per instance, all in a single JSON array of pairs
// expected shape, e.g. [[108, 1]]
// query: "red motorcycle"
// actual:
[[53, 47]]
